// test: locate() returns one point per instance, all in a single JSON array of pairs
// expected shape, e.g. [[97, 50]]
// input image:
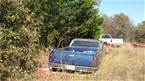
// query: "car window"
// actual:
[[86, 43]]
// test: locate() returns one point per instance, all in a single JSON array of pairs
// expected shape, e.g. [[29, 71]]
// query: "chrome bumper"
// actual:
[[77, 68]]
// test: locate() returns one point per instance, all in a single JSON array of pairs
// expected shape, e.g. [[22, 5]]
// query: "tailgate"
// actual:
[[72, 58]]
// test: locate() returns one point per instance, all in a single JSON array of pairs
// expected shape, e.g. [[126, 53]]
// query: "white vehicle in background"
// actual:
[[107, 39]]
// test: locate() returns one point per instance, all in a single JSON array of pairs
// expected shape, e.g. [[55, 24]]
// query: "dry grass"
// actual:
[[125, 63]]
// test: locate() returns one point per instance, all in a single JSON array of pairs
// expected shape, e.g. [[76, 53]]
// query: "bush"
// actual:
[[18, 40]]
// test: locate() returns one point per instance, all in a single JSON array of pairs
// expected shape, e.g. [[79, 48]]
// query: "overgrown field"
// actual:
[[124, 63]]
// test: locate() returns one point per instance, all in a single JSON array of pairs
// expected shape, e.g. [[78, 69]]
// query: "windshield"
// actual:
[[85, 43], [106, 36]]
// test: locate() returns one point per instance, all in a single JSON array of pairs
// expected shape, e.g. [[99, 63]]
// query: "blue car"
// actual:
[[81, 55]]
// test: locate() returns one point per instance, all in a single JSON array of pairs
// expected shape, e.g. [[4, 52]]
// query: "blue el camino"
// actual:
[[81, 55]]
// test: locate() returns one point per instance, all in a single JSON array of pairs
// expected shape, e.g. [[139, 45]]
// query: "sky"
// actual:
[[135, 9]]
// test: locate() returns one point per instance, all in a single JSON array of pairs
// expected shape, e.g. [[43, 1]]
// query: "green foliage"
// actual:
[[68, 19], [28, 25], [18, 38], [139, 32]]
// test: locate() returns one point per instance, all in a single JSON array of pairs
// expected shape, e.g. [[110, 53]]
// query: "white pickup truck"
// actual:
[[107, 39]]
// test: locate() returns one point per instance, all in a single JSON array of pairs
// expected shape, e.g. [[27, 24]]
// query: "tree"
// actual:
[[123, 25], [119, 25], [26, 26], [139, 32], [19, 40], [108, 26], [63, 20]]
